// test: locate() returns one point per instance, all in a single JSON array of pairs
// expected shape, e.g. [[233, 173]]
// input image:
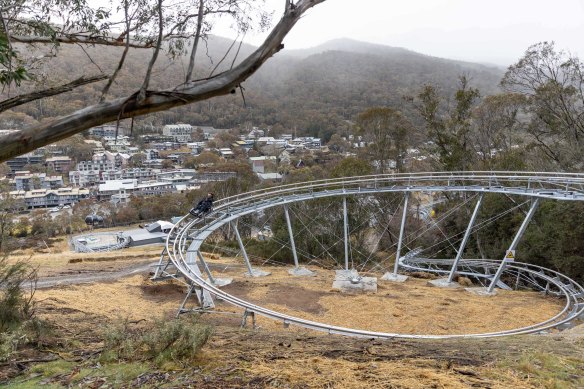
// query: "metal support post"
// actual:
[[465, 238], [242, 248], [518, 236], [250, 271], [205, 266], [346, 232], [214, 280], [292, 244], [401, 234]]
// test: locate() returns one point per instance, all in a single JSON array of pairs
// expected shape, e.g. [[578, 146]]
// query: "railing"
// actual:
[[558, 186]]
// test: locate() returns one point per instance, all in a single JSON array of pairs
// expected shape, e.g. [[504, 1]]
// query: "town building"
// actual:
[[59, 164], [226, 153], [140, 174], [258, 163], [43, 198], [32, 158], [108, 130], [179, 132], [24, 180]]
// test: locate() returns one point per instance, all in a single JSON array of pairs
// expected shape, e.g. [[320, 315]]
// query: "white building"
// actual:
[[180, 132], [121, 189], [114, 187], [96, 165], [59, 164], [51, 197], [107, 130], [139, 174], [258, 163], [84, 178], [25, 181]]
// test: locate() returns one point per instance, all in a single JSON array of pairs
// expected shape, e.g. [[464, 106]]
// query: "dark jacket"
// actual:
[[205, 204]]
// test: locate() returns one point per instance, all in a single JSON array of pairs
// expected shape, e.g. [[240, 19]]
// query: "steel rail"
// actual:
[[551, 185]]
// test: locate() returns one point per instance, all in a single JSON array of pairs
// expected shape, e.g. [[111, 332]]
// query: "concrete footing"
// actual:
[[301, 271], [481, 291], [257, 273], [394, 277], [221, 281], [443, 283], [350, 281]]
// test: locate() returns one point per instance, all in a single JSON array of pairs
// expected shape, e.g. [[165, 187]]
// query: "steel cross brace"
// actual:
[[513, 245]]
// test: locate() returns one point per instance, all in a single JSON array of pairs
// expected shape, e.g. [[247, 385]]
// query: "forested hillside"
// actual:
[[312, 90]]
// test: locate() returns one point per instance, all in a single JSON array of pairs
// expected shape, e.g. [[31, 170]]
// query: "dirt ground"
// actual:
[[271, 356]]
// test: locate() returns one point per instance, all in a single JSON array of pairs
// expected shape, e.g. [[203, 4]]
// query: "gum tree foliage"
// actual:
[[552, 81], [497, 127], [169, 26], [386, 130], [450, 128]]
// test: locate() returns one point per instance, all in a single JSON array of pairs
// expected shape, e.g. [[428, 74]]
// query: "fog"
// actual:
[[497, 31]]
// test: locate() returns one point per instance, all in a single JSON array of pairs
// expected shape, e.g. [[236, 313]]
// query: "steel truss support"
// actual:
[[465, 238], [215, 281], [518, 236], [162, 268], [394, 276], [346, 232], [297, 271], [250, 271], [203, 296], [291, 234], [401, 234]]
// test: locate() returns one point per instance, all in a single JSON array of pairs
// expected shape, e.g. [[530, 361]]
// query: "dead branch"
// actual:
[[122, 58], [142, 92], [22, 99], [31, 138], [72, 39], [195, 43]]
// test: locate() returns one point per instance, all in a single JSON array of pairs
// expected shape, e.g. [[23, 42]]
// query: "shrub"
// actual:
[[16, 304], [176, 340]]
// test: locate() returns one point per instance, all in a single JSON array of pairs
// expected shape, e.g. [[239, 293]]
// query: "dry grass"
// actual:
[[411, 373], [300, 358], [410, 308], [66, 261], [134, 297]]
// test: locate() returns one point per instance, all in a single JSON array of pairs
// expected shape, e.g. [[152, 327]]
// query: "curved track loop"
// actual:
[[188, 235]]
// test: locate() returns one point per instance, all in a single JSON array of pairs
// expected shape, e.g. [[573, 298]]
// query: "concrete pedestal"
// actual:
[[301, 272], [394, 277], [443, 283], [349, 281], [221, 281], [481, 291], [257, 273]]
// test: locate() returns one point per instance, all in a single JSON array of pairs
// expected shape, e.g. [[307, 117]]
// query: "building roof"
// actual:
[[114, 185], [269, 176], [262, 158], [62, 158]]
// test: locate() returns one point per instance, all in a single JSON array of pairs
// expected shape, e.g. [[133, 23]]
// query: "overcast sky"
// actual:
[[494, 31]]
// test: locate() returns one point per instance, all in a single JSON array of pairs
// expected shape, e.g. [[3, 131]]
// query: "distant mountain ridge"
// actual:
[[316, 90]]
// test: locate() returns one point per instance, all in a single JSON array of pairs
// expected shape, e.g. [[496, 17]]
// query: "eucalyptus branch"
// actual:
[[38, 135], [111, 80], [81, 39], [224, 56], [26, 98], [195, 43], [142, 92]]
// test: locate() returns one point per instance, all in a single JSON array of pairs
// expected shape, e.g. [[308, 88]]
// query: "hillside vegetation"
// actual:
[[314, 90]]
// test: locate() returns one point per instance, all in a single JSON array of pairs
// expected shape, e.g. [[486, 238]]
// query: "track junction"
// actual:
[[182, 257]]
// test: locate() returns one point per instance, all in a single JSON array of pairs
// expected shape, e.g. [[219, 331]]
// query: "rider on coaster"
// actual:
[[204, 206]]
